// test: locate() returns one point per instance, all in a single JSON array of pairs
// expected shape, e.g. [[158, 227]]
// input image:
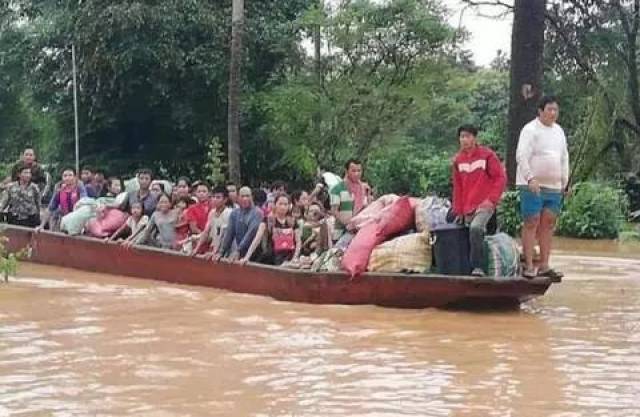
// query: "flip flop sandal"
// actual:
[[551, 273], [529, 274]]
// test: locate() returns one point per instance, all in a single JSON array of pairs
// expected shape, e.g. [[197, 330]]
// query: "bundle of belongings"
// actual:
[[95, 217], [410, 235]]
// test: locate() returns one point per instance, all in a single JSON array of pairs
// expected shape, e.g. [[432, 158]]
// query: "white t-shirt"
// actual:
[[218, 225], [135, 226], [542, 154]]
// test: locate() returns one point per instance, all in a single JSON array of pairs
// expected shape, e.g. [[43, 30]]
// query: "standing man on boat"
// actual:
[[21, 199], [479, 180], [244, 222], [542, 178], [143, 195], [348, 197], [28, 160]]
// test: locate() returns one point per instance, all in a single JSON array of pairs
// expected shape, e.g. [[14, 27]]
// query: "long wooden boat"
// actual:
[[383, 289]]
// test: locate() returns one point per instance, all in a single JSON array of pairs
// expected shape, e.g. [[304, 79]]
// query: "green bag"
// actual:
[[501, 256]]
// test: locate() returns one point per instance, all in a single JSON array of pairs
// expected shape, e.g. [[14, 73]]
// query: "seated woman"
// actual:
[[112, 190], [160, 232], [181, 190], [278, 234], [65, 196], [131, 230], [315, 235], [21, 200], [300, 200]]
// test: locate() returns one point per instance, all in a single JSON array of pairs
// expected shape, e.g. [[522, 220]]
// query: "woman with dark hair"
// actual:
[[65, 196], [278, 234], [21, 200], [181, 190], [113, 187], [300, 204]]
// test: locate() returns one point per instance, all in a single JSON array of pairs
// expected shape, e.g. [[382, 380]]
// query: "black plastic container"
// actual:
[[451, 249]]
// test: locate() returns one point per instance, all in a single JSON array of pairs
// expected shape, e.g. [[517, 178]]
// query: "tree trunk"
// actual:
[[317, 45], [235, 68], [527, 48], [632, 61]]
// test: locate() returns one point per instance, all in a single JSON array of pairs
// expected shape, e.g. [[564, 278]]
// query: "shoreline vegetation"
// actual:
[[8, 260]]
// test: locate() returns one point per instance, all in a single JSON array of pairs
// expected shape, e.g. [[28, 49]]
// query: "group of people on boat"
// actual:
[[226, 222]]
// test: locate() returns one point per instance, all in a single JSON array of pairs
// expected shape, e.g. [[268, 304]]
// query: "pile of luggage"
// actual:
[[411, 235]]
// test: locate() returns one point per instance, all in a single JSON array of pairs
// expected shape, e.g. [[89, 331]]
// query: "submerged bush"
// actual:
[[594, 211], [8, 261], [509, 218]]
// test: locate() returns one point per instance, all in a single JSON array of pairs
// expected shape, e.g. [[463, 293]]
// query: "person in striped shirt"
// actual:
[[348, 197]]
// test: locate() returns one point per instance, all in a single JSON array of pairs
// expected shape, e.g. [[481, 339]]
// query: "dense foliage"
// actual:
[[594, 211], [389, 83]]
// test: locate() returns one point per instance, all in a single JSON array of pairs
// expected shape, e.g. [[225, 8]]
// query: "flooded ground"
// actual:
[[80, 344]]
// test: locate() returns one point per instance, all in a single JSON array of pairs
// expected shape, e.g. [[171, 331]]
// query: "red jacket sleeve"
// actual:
[[457, 190], [498, 177]]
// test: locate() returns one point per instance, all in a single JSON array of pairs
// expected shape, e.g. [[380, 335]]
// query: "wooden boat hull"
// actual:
[[388, 290]]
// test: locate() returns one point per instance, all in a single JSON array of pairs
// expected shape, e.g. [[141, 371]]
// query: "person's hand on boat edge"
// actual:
[[37, 229], [128, 244]]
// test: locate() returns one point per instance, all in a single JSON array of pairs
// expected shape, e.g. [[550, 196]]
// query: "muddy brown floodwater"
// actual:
[[80, 344]]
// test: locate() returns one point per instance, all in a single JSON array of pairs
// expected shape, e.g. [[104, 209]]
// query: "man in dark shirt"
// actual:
[[143, 195], [242, 228]]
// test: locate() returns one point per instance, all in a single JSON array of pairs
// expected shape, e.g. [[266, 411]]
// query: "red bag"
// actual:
[[356, 257], [398, 219], [283, 240]]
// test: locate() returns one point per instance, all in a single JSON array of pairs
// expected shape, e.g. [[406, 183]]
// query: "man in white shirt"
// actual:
[[542, 177], [211, 237]]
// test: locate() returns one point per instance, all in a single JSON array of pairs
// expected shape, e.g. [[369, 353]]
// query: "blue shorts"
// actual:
[[532, 204]]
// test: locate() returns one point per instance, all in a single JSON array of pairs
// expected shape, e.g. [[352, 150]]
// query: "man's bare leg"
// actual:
[[547, 227], [529, 232]]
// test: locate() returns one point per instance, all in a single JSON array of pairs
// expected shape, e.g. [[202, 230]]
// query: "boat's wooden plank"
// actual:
[[397, 290]]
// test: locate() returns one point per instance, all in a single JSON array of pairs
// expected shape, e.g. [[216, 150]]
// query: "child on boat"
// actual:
[[182, 237], [160, 232], [131, 230], [314, 236]]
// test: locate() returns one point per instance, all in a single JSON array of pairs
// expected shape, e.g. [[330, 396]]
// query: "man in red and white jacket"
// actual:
[[478, 183]]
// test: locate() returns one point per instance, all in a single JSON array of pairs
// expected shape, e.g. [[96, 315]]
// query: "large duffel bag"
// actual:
[[451, 250], [408, 253], [501, 256]]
